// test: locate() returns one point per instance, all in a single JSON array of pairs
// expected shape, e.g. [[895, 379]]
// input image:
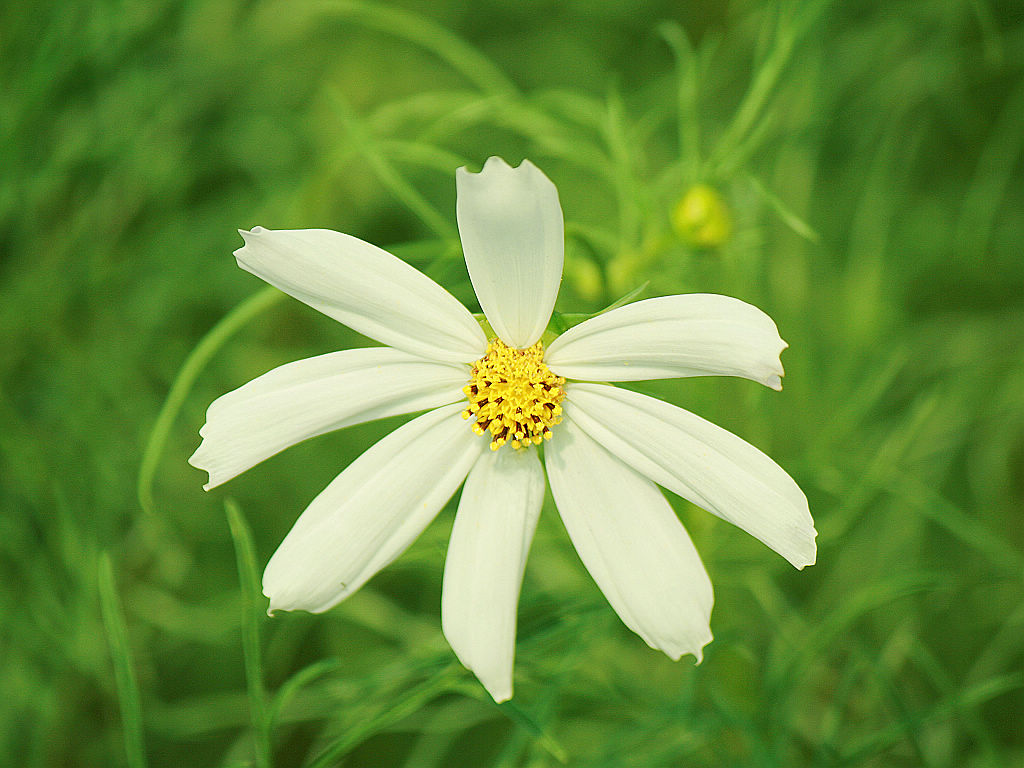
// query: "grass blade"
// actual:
[[414, 700], [252, 611], [124, 670]]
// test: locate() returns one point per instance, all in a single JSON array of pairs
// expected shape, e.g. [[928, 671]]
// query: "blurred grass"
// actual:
[[870, 157]]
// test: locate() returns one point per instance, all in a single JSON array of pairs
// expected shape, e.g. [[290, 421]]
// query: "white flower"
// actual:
[[605, 453]]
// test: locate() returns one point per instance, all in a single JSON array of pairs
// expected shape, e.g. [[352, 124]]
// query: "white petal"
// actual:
[[512, 234], [486, 556], [371, 512], [697, 334], [366, 288], [701, 462], [631, 542], [310, 397]]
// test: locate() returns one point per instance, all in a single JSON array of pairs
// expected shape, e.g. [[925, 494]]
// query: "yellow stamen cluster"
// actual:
[[514, 395]]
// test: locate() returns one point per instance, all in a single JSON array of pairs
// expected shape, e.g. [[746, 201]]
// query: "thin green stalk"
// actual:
[[688, 98], [784, 212], [124, 670], [398, 116], [370, 150], [545, 740], [449, 47], [296, 683], [621, 151], [194, 364], [423, 155], [788, 28], [252, 611]]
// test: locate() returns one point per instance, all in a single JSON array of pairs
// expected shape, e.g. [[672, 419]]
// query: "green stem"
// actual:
[[194, 364]]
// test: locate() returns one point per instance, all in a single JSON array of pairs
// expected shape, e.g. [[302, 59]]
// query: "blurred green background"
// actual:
[[853, 168]]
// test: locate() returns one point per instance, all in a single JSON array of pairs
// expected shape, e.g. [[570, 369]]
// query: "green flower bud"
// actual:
[[701, 217]]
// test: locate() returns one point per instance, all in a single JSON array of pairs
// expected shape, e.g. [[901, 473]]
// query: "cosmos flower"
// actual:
[[490, 405]]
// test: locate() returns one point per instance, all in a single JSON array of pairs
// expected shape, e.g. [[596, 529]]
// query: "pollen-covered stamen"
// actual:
[[514, 396]]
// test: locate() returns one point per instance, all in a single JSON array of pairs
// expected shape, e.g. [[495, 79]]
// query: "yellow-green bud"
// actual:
[[701, 217]]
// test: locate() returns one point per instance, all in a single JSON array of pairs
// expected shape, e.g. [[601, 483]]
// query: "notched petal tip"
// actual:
[[496, 171], [274, 606], [248, 235], [699, 644], [249, 239], [812, 556], [287, 596], [698, 653], [774, 379], [496, 162], [492, 165], [676, 650], [198, 460]]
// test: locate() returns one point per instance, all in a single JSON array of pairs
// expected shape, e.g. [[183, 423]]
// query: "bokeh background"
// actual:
[[853, 168]]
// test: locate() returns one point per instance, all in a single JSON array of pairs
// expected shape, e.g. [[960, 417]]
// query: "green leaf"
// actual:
[[124, 669], [252, 612]]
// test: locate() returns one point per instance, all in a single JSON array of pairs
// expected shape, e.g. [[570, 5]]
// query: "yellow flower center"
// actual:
[[514, 395]]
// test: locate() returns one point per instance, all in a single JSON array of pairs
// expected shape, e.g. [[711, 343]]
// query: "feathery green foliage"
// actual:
[[867, 157]]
